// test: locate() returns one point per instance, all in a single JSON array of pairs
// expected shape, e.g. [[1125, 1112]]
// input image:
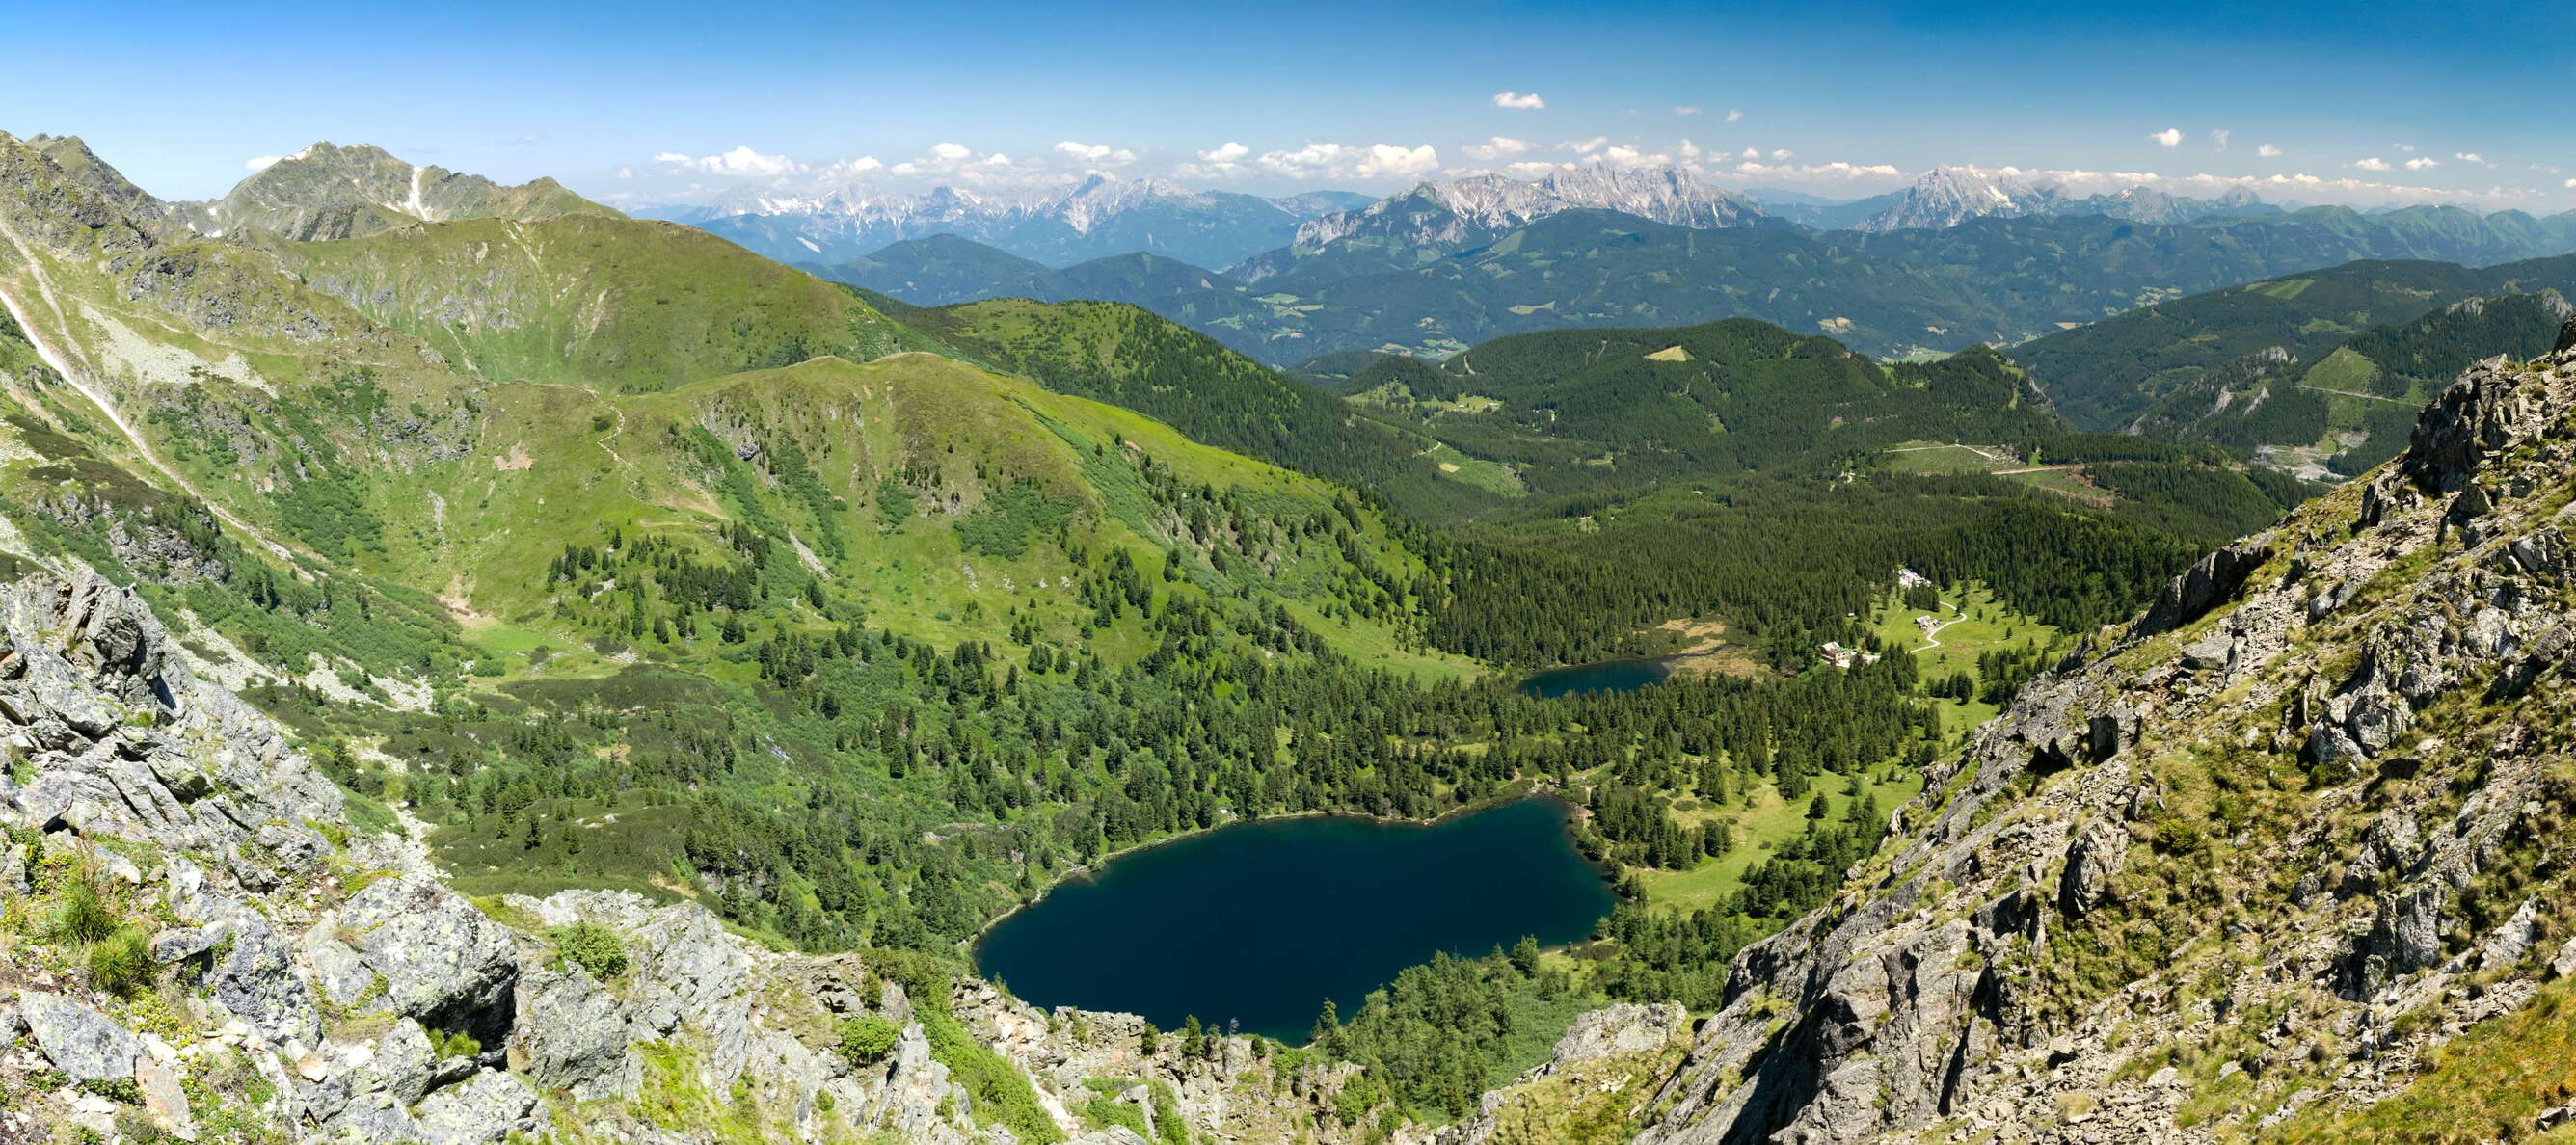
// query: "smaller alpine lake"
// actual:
[[1606, 676], [1260, 922]]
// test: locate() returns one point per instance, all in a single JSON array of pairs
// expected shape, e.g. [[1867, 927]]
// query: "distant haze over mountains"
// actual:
[[1098, 216], [837, 216], [1962, 256], [831, 220]]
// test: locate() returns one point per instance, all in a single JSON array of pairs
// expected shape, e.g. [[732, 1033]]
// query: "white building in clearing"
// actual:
[[1841, 657], [1908, 578]]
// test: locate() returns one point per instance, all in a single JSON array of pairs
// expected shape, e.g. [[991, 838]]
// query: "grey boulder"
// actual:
[[441, 959], [79, 1041], [486, 1107]]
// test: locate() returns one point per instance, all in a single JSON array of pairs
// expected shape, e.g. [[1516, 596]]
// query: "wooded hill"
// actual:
[[2325, 368]]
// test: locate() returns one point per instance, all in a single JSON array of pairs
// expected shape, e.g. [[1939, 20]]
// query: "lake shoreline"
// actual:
[[1256, 926], [1575, 811]]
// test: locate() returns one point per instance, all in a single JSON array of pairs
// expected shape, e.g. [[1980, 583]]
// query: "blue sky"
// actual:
[[2357, 103]]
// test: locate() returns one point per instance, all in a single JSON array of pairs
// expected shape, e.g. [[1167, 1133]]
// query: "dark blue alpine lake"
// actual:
[[1606, 676], [1260, 922]]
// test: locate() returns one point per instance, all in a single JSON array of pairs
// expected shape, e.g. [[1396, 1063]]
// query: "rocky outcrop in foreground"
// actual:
[[202, 941], [2238, 869]]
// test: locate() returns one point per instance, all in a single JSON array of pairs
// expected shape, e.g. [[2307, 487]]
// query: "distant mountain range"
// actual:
[[2003, 280], [1099, 216], [1433, 220], [1949, 196], [835, 219], [1964, 256]]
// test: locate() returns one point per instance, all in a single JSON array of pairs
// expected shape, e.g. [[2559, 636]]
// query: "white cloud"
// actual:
[[965, 165], [1779, 155], [1733, 115], [1585, 146], [1386, 161], [1623, 155], [1519, 101], [1688, 150], [2302, 185], [2471, 157], [1750, 153], [2169, 137], [1498, 147], [2571, 184], [260, 162], [1334, 160], [2218, 138], [1223, 161], [1818, 173], [1095, 154], [1531, 170], [2422, 162], [2374, 163], [741, 162], [859, 166], [1311, 158], [1684, 109], [2403, 146], [2268, 151]]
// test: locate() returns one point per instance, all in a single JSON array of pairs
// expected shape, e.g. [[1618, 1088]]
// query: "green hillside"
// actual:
[[1130, 357], [609, 303], [2108, 373], [1580, 409]]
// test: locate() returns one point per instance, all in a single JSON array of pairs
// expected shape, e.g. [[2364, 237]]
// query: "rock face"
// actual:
[[2245, 852], [2212, 579], [124, 740]]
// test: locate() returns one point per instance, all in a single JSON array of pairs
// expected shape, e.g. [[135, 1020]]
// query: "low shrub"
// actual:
[[867, 1039], [121, 963], [592, 947]]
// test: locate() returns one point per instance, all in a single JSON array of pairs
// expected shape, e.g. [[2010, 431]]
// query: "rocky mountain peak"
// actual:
[[73, 155], [1475, 207], [1946, 196], [329, 191]]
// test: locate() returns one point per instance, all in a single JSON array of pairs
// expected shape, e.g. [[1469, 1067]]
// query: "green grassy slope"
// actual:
[[1130, 357], [610, 303]]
